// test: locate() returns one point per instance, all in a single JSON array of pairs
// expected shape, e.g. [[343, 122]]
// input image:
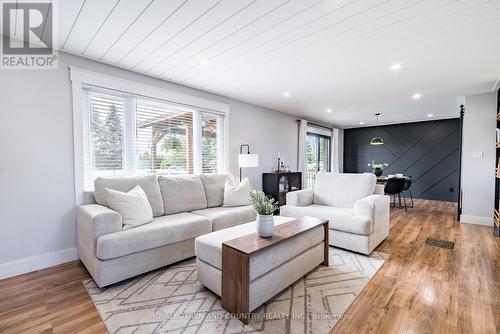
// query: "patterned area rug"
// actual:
[[171, 300]]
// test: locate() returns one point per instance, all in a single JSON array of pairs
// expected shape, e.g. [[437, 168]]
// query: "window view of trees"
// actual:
[[209, 144], [170, 155], [317, 156], [311, 152], [164, 138], [135, 135], [107, 137]]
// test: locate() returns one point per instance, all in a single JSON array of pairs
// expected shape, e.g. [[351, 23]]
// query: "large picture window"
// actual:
[[127, 134]]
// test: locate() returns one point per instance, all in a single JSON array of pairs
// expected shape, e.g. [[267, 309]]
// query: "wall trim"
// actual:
[[476, 220], [29, 264]]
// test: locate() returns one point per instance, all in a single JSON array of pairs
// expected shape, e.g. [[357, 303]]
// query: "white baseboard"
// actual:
[[33, 263], [476, 220]]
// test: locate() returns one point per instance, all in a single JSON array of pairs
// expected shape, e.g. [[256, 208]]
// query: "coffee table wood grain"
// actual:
[[236, 259]]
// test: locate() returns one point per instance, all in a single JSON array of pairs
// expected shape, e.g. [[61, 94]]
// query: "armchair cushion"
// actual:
[[300, 197], [342, 190], [341, 219]]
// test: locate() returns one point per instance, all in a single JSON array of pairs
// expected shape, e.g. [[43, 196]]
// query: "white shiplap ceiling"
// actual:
[[328, 54]]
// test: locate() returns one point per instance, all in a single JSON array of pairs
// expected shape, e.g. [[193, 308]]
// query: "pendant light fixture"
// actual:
[[377, 140]]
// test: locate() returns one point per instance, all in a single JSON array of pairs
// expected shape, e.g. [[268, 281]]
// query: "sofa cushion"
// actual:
[[133, 206], [214, 188], [148, 183], [182, 193], [237, 195], [224, 217], [161, 231], [340, 219], [342, 189]]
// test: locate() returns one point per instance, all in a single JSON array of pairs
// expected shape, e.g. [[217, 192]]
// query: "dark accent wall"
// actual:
[[428, 151]]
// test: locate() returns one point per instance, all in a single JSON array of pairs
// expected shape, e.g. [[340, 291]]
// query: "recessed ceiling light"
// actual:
[[430, 115], [204, 62], [329, 110], [396, 66], [416, 96], [286, 94], [361, 123]]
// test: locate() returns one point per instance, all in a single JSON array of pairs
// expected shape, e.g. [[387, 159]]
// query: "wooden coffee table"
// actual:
[[236, 255]]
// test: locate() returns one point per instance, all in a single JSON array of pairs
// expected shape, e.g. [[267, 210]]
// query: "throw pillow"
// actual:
[[237, 195], [133, 206]]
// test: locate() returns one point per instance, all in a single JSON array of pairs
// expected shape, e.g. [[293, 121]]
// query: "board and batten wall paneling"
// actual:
[[428, 151]]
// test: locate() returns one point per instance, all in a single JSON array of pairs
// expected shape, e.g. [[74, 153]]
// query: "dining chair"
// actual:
[[394, 187], [407, 188]]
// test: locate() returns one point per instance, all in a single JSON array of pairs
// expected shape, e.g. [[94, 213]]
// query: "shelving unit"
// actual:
[[277, 185], [496, 210]]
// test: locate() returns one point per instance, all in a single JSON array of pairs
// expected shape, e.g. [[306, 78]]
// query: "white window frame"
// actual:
[[80, 77]]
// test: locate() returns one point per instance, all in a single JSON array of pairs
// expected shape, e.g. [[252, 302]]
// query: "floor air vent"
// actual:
[[440, 243]]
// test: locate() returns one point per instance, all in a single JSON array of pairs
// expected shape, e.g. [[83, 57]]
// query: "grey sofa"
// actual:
[[184, 207]]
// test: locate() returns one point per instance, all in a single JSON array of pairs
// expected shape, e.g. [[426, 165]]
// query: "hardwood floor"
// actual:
[[420, 289], [424, 289]]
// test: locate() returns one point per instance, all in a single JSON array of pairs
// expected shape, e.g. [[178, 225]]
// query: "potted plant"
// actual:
[[265, 208], [377, 168]]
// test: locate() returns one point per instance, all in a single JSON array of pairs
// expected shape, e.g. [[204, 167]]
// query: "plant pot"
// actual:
[[265, 225], [377, 171]]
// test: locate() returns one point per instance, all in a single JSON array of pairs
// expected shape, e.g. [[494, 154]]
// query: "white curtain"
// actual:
[[337, 150], [301, 155]]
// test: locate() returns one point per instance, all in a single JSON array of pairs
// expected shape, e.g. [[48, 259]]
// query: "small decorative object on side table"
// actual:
[[377, 168], [282, 167], [265, 207]]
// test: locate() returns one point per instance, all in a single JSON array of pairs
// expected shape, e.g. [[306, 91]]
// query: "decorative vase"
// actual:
[[377, 171], [265, 225]]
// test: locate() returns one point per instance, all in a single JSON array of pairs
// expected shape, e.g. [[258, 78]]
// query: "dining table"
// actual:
[[383, 179]]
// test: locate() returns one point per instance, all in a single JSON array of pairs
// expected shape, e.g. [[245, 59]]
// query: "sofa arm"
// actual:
[[372, 206], [96, 220], [377, 208], [300, 197]]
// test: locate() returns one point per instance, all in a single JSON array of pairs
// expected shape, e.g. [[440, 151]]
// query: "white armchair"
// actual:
[[358, 215]]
